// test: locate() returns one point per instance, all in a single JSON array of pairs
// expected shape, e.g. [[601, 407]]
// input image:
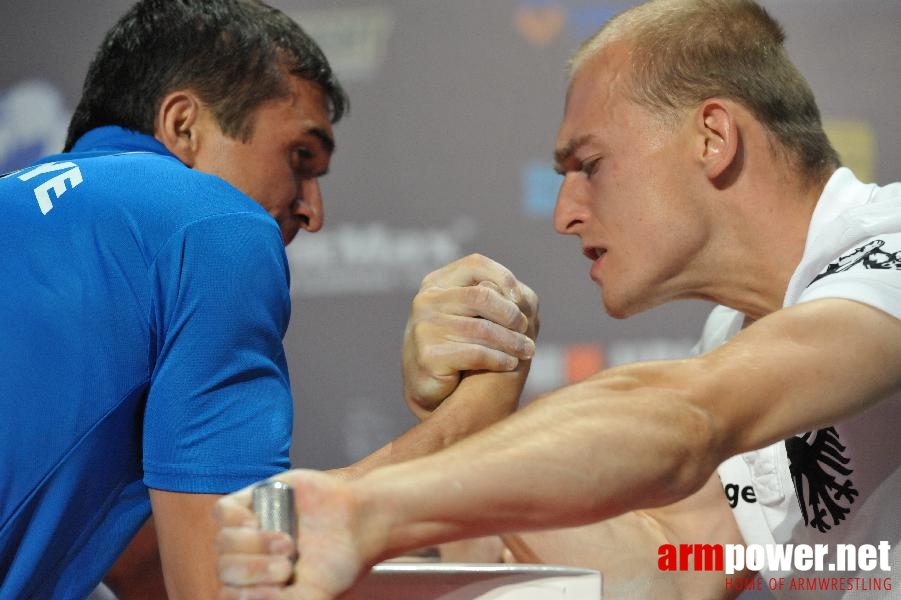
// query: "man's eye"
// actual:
[[301, 156], [590, 166], [301, 162]]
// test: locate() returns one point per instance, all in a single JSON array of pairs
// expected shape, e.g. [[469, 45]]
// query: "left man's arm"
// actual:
[[138, 574], [219, 410], [172, 556], [186, 532]]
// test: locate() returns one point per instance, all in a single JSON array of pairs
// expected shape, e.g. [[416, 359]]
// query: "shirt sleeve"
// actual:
[[219, 410], [869, 273]]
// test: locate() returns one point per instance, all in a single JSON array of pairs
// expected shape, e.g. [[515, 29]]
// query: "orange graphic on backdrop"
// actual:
[[540, 25], [583, 360]]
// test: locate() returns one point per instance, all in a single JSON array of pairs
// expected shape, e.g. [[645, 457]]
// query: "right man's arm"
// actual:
[[634, 437], [648, 434]]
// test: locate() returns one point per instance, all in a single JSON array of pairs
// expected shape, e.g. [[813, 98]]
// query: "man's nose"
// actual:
[[309, 205], [571, 209]]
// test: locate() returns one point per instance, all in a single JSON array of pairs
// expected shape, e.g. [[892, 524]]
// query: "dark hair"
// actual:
[[234, 54], [685, 51]]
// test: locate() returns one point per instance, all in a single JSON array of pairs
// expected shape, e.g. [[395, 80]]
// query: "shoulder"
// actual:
[[163, 182], [160, 201], [869, 271]]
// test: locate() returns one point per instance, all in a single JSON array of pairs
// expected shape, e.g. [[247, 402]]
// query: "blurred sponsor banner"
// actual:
[[355, 40], [374, 258], [542, 22], [556, 365], [33, 122]]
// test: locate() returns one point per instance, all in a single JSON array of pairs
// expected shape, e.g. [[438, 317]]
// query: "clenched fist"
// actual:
[[471, 315]]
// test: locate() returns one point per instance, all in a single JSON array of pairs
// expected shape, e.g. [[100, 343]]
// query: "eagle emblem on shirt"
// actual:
[[871, 255], [820, 473]]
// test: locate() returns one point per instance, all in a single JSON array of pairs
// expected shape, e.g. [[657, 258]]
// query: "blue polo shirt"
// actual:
[[142, 311]]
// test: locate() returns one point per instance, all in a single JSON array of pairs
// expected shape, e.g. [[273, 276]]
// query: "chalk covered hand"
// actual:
[[471, 315]]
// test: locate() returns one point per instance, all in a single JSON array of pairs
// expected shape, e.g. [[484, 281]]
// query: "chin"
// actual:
[[288, 236], [615, 309], [623, 307], [617, 313]]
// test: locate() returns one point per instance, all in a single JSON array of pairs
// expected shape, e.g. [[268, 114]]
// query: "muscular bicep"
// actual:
[[801, 368], [186, 529]]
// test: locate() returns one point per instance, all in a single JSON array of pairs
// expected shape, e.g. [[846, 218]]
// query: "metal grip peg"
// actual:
[[273, 503]]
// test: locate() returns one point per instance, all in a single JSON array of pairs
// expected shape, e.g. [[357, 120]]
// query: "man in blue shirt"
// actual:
[[145, 302], [145, 293]]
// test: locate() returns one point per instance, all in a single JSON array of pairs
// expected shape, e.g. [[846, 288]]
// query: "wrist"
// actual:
[[379, 516]]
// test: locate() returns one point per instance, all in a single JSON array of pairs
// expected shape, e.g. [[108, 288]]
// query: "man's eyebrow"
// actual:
[[327, 141], [561, 155]]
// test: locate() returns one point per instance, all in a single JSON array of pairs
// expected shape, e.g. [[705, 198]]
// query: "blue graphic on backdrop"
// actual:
[[33, 122], [541, 22], [540, 184]]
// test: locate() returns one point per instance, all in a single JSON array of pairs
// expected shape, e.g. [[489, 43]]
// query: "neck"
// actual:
[[762, 242]]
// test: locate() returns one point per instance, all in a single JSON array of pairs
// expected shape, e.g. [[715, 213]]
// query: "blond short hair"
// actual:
[[686, 51]]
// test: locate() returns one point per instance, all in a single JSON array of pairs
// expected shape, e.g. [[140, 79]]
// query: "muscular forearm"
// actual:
[[648, 434], [590, 452]]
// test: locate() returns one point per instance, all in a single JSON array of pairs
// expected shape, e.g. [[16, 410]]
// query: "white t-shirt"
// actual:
[[850, 474]]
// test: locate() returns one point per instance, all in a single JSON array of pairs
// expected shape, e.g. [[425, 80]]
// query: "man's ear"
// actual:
[[721, 150], [178, 125]]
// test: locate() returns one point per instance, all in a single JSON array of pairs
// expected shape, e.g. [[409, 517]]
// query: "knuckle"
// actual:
[[513, 315], [508, 279], [492, 286], [480, 328], [478, 295], [419, 330], [495, 360], [529, 296], [431, 360], [420, 302], [423, 336], [434, 278]]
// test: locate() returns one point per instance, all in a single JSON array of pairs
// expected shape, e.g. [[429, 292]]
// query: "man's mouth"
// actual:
[[594, 253]]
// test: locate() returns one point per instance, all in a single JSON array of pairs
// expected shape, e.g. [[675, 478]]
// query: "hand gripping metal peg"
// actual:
[[273, 503]]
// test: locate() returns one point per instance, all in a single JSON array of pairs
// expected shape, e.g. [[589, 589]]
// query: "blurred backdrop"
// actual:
[[454, 110]]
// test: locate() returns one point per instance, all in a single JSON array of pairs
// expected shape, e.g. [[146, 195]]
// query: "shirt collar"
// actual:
[[118, 139], [830, 228], [842, 192]]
